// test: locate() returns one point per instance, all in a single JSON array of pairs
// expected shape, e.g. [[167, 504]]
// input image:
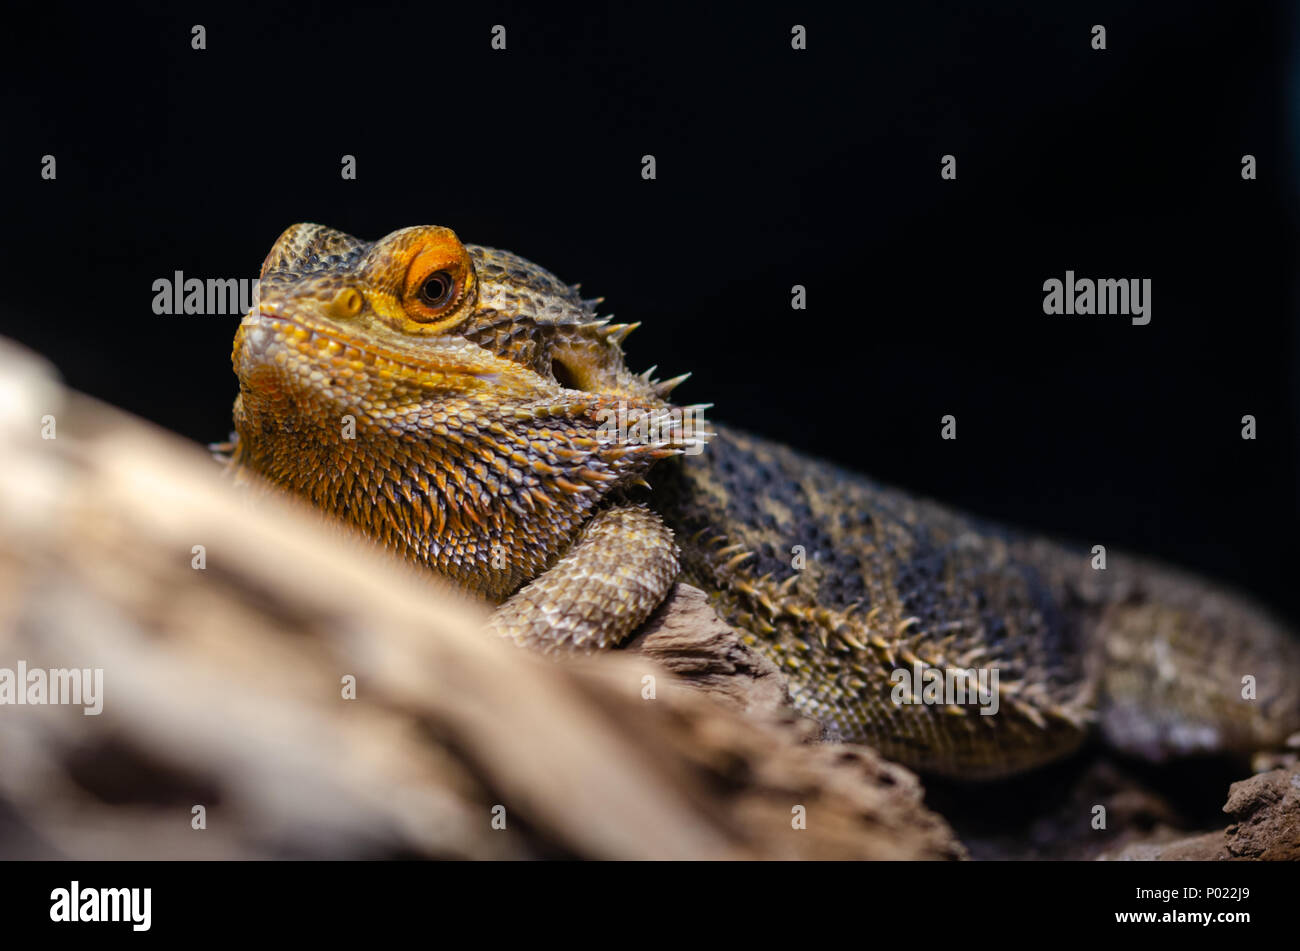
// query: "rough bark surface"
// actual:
[[1265, 813]]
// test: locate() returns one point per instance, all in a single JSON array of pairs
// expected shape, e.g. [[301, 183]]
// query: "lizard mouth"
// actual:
[[271, 336]]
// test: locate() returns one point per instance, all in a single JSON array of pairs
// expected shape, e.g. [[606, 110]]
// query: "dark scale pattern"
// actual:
[[1069, 644], [1060, 639], [912, 576]]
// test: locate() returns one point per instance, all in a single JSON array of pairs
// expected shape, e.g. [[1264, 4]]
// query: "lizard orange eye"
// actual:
[[437, 289]]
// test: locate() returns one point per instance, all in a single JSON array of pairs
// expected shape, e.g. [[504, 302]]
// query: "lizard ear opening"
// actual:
[[440, 286], [564, 376]]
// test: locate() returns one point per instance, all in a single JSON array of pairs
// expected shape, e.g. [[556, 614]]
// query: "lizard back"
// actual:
[[844, 583]]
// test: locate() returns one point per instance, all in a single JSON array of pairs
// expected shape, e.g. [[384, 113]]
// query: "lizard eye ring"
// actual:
[[437, 289]]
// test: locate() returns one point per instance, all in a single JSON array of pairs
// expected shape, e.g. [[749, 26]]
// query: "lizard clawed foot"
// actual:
[[618, 570]]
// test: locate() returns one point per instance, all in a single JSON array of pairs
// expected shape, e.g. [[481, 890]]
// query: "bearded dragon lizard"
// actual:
[[454, 403]]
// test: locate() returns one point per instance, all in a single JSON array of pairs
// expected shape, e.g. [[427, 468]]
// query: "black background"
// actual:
[[775, 167]]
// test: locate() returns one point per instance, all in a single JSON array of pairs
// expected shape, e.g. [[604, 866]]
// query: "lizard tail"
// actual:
[[1187, 668]]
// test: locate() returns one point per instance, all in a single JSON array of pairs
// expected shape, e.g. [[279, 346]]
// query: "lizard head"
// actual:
[[459, 403]]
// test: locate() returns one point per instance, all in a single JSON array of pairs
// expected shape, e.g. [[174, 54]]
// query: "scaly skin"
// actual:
[[464, 430]]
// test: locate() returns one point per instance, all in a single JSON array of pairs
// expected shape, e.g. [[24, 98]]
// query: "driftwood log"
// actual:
[[231, 634]]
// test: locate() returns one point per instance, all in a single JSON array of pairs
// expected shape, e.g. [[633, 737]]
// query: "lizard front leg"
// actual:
[[618, 570]]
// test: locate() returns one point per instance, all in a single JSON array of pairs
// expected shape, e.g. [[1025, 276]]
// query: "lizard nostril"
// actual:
[[346, 303]]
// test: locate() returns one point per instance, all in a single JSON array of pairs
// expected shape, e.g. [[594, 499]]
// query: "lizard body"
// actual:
[[453, 402]]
